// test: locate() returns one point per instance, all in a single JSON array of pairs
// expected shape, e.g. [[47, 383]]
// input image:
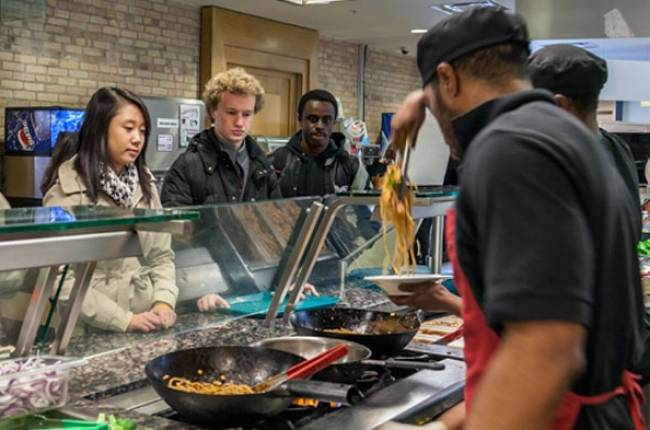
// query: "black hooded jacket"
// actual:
[[205, 174], [302, 175]]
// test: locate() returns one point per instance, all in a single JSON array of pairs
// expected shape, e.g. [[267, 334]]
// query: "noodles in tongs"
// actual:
[[395, 207]]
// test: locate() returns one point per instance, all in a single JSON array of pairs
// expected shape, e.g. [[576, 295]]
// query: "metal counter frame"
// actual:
[[78, 247], [423, 207]]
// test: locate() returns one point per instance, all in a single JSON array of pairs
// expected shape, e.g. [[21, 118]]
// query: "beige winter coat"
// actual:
[[120, 287], [10, 281]]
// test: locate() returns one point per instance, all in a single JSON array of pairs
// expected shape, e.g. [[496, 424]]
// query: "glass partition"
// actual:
[[234, 252], [225, 267], [35, 245], [366, 254], [39, 220]]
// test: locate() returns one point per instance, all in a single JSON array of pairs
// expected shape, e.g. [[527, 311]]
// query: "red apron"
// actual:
[[481, 342]]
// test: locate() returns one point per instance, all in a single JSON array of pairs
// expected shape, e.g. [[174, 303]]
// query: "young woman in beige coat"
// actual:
[[109, 170]]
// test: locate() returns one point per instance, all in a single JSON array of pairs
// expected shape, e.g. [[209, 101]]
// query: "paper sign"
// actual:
[[190, 116], [167, 123], [165, 142]]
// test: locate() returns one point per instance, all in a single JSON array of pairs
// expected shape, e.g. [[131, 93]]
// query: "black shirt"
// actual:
[[547, 230]]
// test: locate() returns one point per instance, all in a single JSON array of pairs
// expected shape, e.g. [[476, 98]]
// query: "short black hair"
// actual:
[[585, 104], [321, 96], [495, 62]]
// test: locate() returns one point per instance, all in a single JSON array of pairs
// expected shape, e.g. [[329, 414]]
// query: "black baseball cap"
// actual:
[[469, 31], [567, 69]]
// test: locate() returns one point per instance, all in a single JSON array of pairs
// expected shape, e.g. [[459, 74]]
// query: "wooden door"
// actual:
[[282, 57], [278, 117]]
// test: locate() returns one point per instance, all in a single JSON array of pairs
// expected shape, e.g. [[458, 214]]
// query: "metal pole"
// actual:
[[295, 258], [34, 313], [436, 244], [83, 275]]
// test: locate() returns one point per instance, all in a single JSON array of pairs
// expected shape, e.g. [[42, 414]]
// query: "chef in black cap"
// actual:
[[576, 76], [542, 239]]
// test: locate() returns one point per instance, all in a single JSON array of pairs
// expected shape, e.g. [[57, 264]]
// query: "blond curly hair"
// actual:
[[236, 81]]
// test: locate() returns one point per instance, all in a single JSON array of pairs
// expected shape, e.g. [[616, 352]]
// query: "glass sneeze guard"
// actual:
[[35, 220]]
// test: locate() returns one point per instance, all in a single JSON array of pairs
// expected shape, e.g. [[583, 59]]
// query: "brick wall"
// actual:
[[149, 46], [152, 47], [338, 65], [388, 79]]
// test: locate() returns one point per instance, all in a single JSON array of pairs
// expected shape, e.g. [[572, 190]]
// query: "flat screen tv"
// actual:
[[34, 130]]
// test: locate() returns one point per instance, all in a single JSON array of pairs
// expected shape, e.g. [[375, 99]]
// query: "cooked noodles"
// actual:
[[215, 388], [398, 212], [340, 331]]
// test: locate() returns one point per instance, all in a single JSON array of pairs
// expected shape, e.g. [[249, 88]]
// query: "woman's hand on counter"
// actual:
[[165, 313], [430, 296], [211, 302], [144, 322]]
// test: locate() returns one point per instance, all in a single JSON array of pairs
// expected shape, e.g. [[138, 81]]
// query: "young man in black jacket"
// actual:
[[315, 162], [222, 163]]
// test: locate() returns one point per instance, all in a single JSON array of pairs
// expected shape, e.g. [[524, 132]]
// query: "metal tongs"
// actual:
[[403, 185]]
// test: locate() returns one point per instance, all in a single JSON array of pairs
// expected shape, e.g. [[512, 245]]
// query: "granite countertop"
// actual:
[[119, 367]]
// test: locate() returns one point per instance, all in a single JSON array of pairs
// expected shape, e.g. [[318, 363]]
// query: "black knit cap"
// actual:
[[568, 70], [469, 31]]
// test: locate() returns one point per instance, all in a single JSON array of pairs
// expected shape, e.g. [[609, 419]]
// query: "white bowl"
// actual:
[[390, 283]]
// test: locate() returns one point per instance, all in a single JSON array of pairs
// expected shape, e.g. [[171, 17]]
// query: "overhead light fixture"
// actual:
[[645, 103], [418, 30], [458, 7], [308, 2]]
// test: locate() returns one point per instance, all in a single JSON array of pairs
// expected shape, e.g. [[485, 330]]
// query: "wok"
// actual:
[[243, 365], [385, 333], [347, 369]]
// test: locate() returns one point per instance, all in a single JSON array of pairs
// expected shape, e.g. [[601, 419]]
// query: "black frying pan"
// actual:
[[385, 333], [241, 364]]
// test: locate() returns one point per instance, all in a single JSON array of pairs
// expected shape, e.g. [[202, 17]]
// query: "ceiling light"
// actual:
[[458, 7], [418, 30], [308, 2], [645, 103]]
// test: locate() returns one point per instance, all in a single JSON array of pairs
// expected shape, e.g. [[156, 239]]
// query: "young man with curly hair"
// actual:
[[222, 163]]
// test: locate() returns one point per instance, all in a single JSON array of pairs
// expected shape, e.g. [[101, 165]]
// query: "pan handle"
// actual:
[[403, 364], [323, 391]]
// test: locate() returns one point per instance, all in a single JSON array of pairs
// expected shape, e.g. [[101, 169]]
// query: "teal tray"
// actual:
[[257, 305]]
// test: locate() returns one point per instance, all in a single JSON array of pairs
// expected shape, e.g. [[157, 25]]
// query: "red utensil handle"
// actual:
[[450, 337], [317, 363]]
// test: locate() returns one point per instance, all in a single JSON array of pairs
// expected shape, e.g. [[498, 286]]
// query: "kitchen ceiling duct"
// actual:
[[585, 19]]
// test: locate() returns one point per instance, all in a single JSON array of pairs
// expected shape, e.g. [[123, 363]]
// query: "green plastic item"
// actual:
[[37, 422], [257, 305]]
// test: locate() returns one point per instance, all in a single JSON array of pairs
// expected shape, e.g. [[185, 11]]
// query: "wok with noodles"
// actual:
[[210, 386], [384, 333], [395, 208]]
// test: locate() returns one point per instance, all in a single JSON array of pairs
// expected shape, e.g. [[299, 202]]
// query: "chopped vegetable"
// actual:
[[22, 389], [118, 423], [643, 248]]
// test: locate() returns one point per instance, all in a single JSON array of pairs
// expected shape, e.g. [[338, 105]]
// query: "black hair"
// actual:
[[585, 104], [93, 138], [495, 62], [321, 96], [66, 146]]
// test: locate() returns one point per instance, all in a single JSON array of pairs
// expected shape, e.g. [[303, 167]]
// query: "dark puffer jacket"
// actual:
[[205, 174], [332, 171]]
